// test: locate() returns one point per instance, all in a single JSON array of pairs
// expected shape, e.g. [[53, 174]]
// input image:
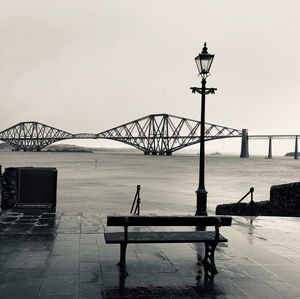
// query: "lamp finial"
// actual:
[[204, 50]]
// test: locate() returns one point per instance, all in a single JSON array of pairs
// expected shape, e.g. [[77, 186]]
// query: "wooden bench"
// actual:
[[210, 238]]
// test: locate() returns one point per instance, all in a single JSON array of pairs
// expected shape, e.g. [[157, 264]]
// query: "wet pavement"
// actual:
[[63, 255]]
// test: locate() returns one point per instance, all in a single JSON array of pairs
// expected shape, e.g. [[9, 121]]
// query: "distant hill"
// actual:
[[74, 148], [5, 146], [67, 148], [114, 149], [290, 154]]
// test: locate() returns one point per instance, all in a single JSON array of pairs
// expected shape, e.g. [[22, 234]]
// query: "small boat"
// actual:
[[215, 154]]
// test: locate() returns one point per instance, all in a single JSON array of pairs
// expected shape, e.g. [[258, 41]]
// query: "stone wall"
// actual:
[[284, 201], [286, 198], [9, 188], [260, 208]]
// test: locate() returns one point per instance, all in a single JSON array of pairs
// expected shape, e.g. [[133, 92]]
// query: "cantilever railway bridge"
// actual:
[[153, 134]]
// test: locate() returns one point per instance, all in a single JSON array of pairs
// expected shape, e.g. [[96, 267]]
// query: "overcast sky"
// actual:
[[88, 66]]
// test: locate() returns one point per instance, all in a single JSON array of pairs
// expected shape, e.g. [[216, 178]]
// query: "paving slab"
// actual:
[[64, 255]]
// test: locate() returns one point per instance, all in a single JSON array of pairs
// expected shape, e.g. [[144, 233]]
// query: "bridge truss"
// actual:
[[152, 134], [258, 137], [32, 136], [164, 133]]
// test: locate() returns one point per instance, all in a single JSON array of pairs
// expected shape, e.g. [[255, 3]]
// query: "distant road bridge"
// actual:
[[270, 138], [156, 134]]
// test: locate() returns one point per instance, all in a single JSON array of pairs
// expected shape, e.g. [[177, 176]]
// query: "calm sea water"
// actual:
[[168, 184]]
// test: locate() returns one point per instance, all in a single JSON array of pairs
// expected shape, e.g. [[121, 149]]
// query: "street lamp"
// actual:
[[203, 62]]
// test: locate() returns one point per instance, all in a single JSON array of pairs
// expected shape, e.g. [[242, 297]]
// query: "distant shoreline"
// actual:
[[70, 148]]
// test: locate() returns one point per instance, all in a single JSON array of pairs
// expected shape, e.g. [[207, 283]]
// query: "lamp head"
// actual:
[[204, 61]]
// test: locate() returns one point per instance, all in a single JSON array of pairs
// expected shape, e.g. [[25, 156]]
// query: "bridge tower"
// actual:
[[296, 148], [270, 148], [244, 147]]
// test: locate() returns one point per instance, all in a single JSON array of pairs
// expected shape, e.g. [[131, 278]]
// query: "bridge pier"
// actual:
[[296, 148], [244, 147], [270, 148], [146, 153], [168, 153]]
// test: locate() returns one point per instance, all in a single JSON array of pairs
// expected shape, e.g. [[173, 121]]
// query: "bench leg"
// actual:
[[209, 260], [122, 262]]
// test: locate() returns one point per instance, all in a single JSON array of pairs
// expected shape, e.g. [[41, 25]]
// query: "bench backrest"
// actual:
[[168, 221]]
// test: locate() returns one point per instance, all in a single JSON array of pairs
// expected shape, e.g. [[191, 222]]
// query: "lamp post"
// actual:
[[203, 62]]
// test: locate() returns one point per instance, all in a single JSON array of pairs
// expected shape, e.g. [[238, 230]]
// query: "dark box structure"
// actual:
[[29, 187]]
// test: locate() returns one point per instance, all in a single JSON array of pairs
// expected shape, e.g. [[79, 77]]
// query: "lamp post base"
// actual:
[[201, 202]]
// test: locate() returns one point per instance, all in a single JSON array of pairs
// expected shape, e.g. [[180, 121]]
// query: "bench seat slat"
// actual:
[[167, 220], [162, 237]]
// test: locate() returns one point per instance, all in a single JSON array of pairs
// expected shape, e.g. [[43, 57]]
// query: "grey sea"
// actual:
[[106, 182], [67, 257]]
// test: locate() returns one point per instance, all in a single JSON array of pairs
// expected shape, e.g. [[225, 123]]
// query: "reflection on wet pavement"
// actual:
[[63, 255]]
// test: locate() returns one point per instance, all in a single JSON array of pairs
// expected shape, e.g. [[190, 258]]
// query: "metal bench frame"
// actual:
[[211, 240]]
